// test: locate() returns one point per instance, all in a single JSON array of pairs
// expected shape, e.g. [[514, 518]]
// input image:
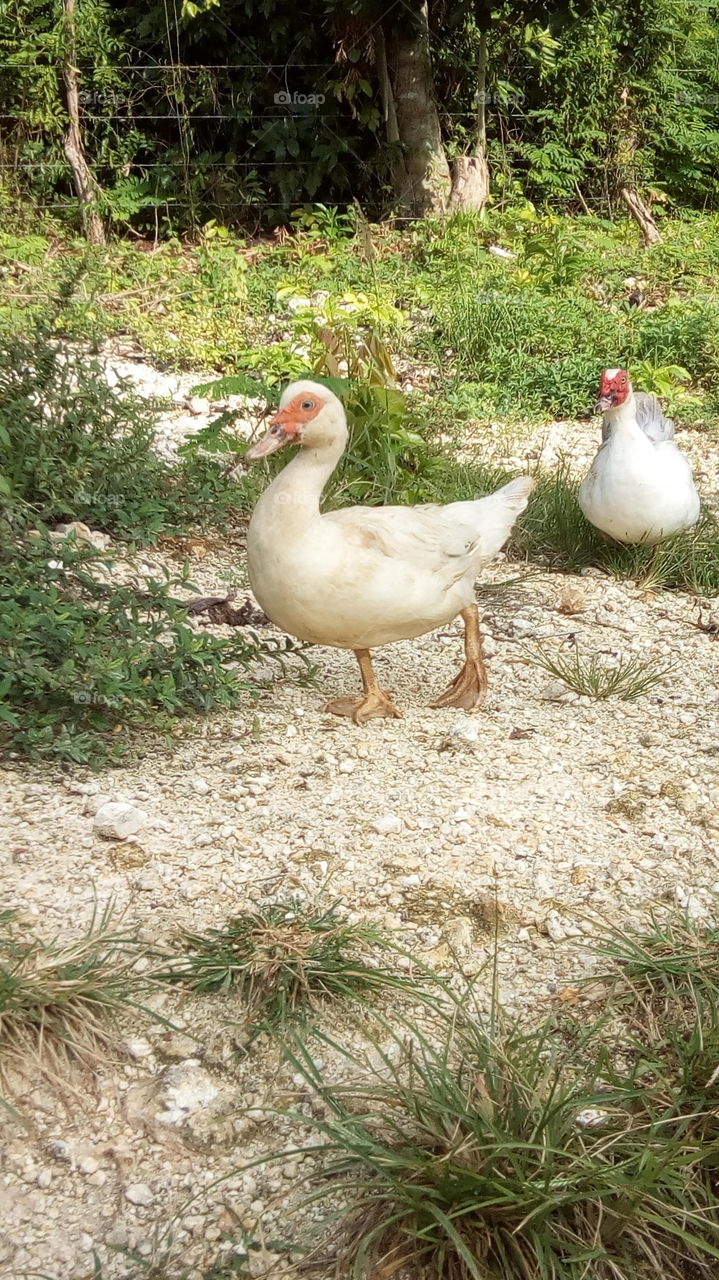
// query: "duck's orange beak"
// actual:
[[283, 429]]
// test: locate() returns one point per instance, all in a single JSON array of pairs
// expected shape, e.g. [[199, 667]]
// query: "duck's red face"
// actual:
[[614, 387], [287, 425]]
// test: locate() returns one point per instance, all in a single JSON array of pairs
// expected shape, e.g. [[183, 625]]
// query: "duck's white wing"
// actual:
[[447, 540], [650, 417]]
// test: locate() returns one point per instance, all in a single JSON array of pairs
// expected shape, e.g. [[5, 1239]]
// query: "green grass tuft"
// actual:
[[480, 1148], [488, 1151], [60, 1001], [629, 678], [285, 961]]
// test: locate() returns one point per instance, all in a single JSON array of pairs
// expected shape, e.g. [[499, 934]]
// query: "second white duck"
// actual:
[[367, 576], [640, 486]]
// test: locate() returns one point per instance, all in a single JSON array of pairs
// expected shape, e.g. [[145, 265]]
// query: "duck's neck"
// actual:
[[623, 419], [294, 495]]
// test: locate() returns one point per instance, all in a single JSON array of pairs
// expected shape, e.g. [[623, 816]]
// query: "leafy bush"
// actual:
[[84, 660], [684, 333], [75, 448]]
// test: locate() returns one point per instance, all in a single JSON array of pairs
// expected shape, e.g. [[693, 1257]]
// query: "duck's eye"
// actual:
[[275, 431], [307, 404]]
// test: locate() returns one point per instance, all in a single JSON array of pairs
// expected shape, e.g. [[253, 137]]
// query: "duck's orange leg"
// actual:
[[372, 703], [469, 689]]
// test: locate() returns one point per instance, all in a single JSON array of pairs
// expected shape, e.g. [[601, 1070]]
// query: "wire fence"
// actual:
[[249, 129]]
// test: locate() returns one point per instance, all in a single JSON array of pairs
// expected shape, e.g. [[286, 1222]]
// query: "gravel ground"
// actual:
[[540, 815]]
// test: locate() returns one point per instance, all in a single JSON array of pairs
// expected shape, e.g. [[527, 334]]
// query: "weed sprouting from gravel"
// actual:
[[60, 1001], [285, 961], [628, 679]]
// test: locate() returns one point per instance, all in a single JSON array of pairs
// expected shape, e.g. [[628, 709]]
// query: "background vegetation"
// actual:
[[241, 110]]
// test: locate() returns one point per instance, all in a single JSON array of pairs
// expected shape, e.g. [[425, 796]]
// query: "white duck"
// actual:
[[367, 576], [639, 487]]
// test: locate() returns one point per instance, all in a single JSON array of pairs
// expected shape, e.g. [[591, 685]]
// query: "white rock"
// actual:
[[62, 1151], [465, 731], [199, 786], [101, 541], [591, 1118], [87, 1165], [117, 1236], [347, 766], [388, 825], [44, 1178], [523, 627], [188, 1088], [138, 1048], [139, 1193], [116, 820], [554, 927]]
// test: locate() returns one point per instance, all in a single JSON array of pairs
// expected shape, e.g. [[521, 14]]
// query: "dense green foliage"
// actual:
[[241, 110], [75, 448], [84, 659]]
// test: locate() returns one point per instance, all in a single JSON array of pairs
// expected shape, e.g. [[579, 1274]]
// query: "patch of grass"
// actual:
[[60, 1001], [668, 977], [483, 1150], [664, 985], [628, 678], [285, 962]]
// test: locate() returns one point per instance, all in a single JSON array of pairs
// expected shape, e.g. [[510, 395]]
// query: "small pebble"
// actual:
[[139, 1193], [388, 825]]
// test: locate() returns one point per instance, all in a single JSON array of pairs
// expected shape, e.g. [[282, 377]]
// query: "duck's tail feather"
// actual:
[[498, 512]]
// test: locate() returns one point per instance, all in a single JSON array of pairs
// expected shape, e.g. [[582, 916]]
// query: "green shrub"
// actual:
[[84, 660], [74, 448], [685, 333]]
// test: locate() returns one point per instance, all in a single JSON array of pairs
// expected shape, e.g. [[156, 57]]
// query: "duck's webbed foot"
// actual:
[[468, 690], [370, 705]]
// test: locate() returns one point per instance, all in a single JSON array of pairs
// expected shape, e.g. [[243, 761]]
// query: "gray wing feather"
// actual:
[[650, 417]]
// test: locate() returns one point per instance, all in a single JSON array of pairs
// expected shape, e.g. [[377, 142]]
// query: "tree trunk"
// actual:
[[470, 174], [629, 175], [470, 184], [422, 179], [640, 212], [83, 181]]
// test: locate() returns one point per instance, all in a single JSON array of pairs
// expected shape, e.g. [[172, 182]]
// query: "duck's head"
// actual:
[[614, 389], [309, 415]]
